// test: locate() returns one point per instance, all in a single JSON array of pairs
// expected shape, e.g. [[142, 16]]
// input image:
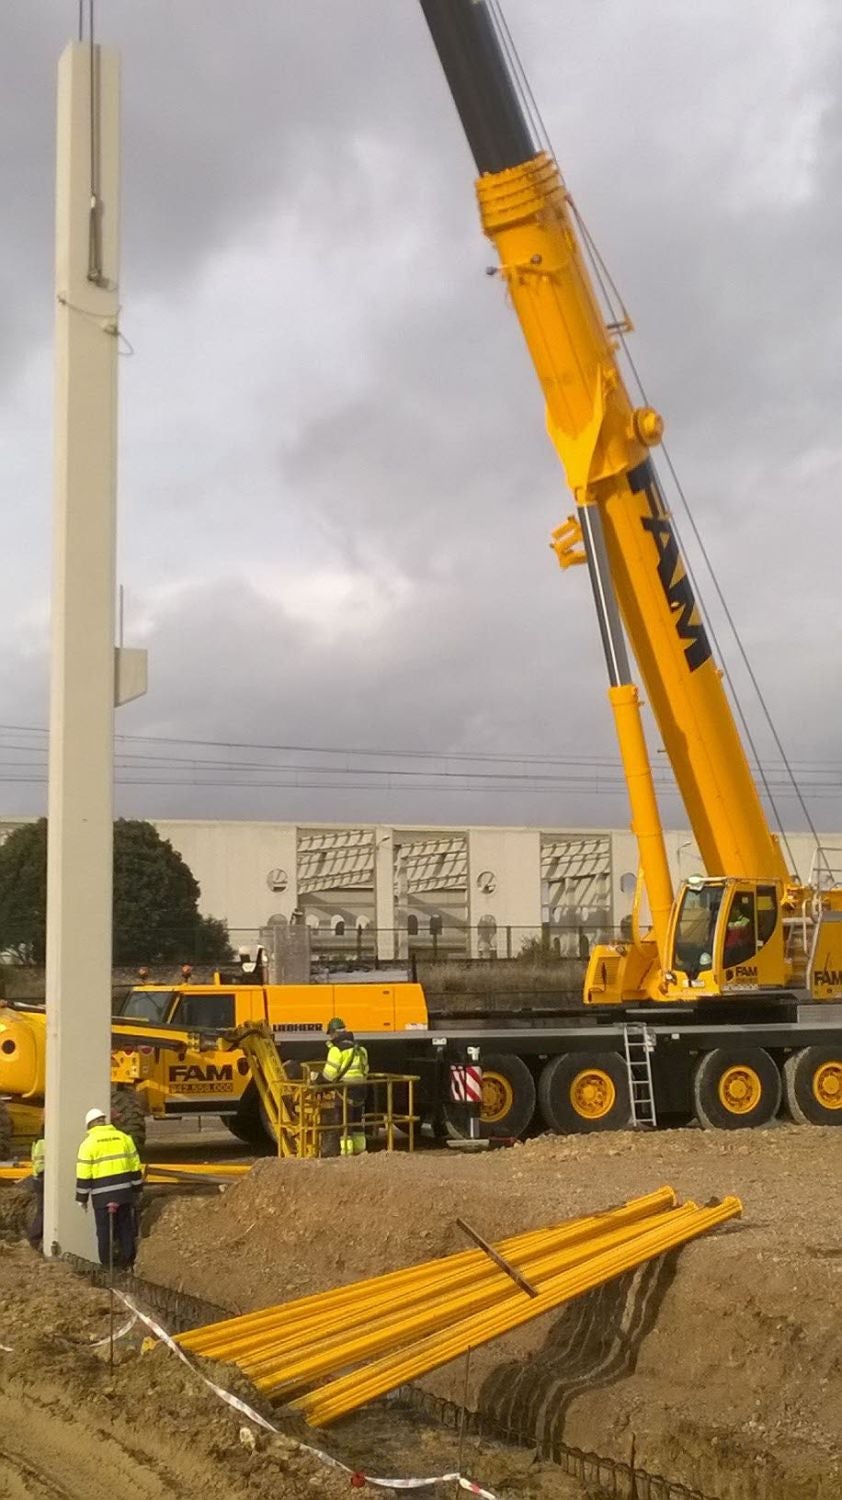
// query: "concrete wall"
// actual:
[[233, 862]]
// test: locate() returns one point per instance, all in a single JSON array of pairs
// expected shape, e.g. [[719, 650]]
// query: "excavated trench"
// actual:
[[720, 1365]]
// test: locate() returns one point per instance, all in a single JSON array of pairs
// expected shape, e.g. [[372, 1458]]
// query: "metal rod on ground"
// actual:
[[463, 1413], [499, 1260], [112, 1214]]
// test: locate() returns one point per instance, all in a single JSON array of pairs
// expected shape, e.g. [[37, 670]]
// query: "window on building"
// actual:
[[412, 926], [435, 926], [337, 926]]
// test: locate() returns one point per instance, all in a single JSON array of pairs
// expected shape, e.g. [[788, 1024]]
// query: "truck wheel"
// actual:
[[736, 1088], [247, 1123], [813, 1086], [128, 1114], [508, 1099], [582, 1092]]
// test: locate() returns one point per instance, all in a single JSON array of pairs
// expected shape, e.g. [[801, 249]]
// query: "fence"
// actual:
[[453, 959], [609, 1477]]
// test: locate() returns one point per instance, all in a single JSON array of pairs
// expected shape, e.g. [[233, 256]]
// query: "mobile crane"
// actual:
[[741, 929], [751, 927]]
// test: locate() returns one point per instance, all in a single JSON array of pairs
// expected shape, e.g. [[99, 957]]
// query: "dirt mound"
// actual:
[[725, 1363], [295, 1227], [70, 1428]]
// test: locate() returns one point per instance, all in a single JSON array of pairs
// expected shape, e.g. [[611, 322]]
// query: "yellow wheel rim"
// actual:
[[498, 1096], [827, 1085], [740, 1090], [592, 1094]]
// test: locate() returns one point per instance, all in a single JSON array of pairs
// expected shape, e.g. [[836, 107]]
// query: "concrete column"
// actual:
[[384, 891], [79, 872]]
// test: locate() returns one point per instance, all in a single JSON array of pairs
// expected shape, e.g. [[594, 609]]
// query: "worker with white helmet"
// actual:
[[108, 1173]]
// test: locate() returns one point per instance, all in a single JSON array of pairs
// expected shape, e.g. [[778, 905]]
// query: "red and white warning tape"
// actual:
[[247, 1411]]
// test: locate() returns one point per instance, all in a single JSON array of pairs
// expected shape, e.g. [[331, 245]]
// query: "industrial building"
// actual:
[[482, 891]]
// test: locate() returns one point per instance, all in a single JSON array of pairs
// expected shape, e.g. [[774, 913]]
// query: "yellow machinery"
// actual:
[[304, 1117], [367, 1339], [217, 1079], [751, 927], [308, 1118], [23, 1052]]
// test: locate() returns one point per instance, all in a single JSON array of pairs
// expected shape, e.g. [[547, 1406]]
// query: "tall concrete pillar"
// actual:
[[82, 691], [384, 891]]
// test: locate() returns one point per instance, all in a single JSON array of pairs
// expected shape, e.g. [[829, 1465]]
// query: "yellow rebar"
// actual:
[[397, 1329], [351, 1391], [306, 1315]]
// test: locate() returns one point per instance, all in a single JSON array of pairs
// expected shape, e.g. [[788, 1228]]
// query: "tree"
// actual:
[[156, 898]]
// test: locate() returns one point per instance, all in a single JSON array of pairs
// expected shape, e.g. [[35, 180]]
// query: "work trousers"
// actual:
[[36, 1227], [354, 1143], [125, 1233]]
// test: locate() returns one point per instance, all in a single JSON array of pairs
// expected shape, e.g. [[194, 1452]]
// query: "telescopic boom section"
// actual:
[[603, 442]]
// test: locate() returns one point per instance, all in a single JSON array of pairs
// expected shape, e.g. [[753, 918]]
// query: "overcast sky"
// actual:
[[335, 487]]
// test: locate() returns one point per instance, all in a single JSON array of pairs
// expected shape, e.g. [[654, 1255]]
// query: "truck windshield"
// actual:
[[148, 1005], [696, 929]]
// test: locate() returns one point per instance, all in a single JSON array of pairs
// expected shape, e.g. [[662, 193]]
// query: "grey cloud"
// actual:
[[374, 411]]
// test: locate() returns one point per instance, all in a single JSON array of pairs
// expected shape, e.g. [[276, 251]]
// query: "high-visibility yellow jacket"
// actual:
[[347, 1061], [108, 1168], [37, 1155]]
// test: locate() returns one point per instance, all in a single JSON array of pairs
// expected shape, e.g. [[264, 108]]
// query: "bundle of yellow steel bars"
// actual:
[[155, 1173], [409, 1322]]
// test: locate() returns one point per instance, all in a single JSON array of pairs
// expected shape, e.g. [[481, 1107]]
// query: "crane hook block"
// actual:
[[568, 544]]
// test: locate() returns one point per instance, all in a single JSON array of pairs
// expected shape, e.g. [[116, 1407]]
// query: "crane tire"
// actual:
[[6, 1133], [508, 1099], [248, 1124], [129, 1114], [736, 1088], [580, 1093], [813, 1086]]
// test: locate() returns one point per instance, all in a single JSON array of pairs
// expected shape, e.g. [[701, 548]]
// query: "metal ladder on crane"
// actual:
[[638, 1044]]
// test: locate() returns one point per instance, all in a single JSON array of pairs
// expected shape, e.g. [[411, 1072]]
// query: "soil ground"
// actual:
[[70, 1429], [724, 1363]]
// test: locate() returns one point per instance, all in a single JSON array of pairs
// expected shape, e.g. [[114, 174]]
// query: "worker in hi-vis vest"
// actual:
[[108, 1173], [346, 1066]]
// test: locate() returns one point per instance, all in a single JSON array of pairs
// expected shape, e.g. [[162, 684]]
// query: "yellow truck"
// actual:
[[217, 1080]]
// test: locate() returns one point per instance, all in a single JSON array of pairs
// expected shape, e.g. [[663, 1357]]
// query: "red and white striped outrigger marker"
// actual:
[[466, 1088]]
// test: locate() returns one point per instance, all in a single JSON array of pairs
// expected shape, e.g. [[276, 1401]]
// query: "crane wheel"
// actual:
[[129, 1114], [813, 1086], [249, 1124], [582, 1092], [508, 1099], [736, 1088]]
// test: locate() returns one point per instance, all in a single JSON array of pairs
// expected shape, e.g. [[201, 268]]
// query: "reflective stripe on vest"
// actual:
[[108, 1163], [38, 1152], [346, 1065]]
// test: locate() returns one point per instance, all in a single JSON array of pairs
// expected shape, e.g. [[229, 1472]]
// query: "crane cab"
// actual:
[[726, 938]]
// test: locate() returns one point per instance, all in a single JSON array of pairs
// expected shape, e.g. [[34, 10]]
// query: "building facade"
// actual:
[[482, 891], [393, 889]]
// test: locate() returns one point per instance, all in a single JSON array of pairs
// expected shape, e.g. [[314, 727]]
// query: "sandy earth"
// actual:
[[725, 1364], [69, 1430]]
